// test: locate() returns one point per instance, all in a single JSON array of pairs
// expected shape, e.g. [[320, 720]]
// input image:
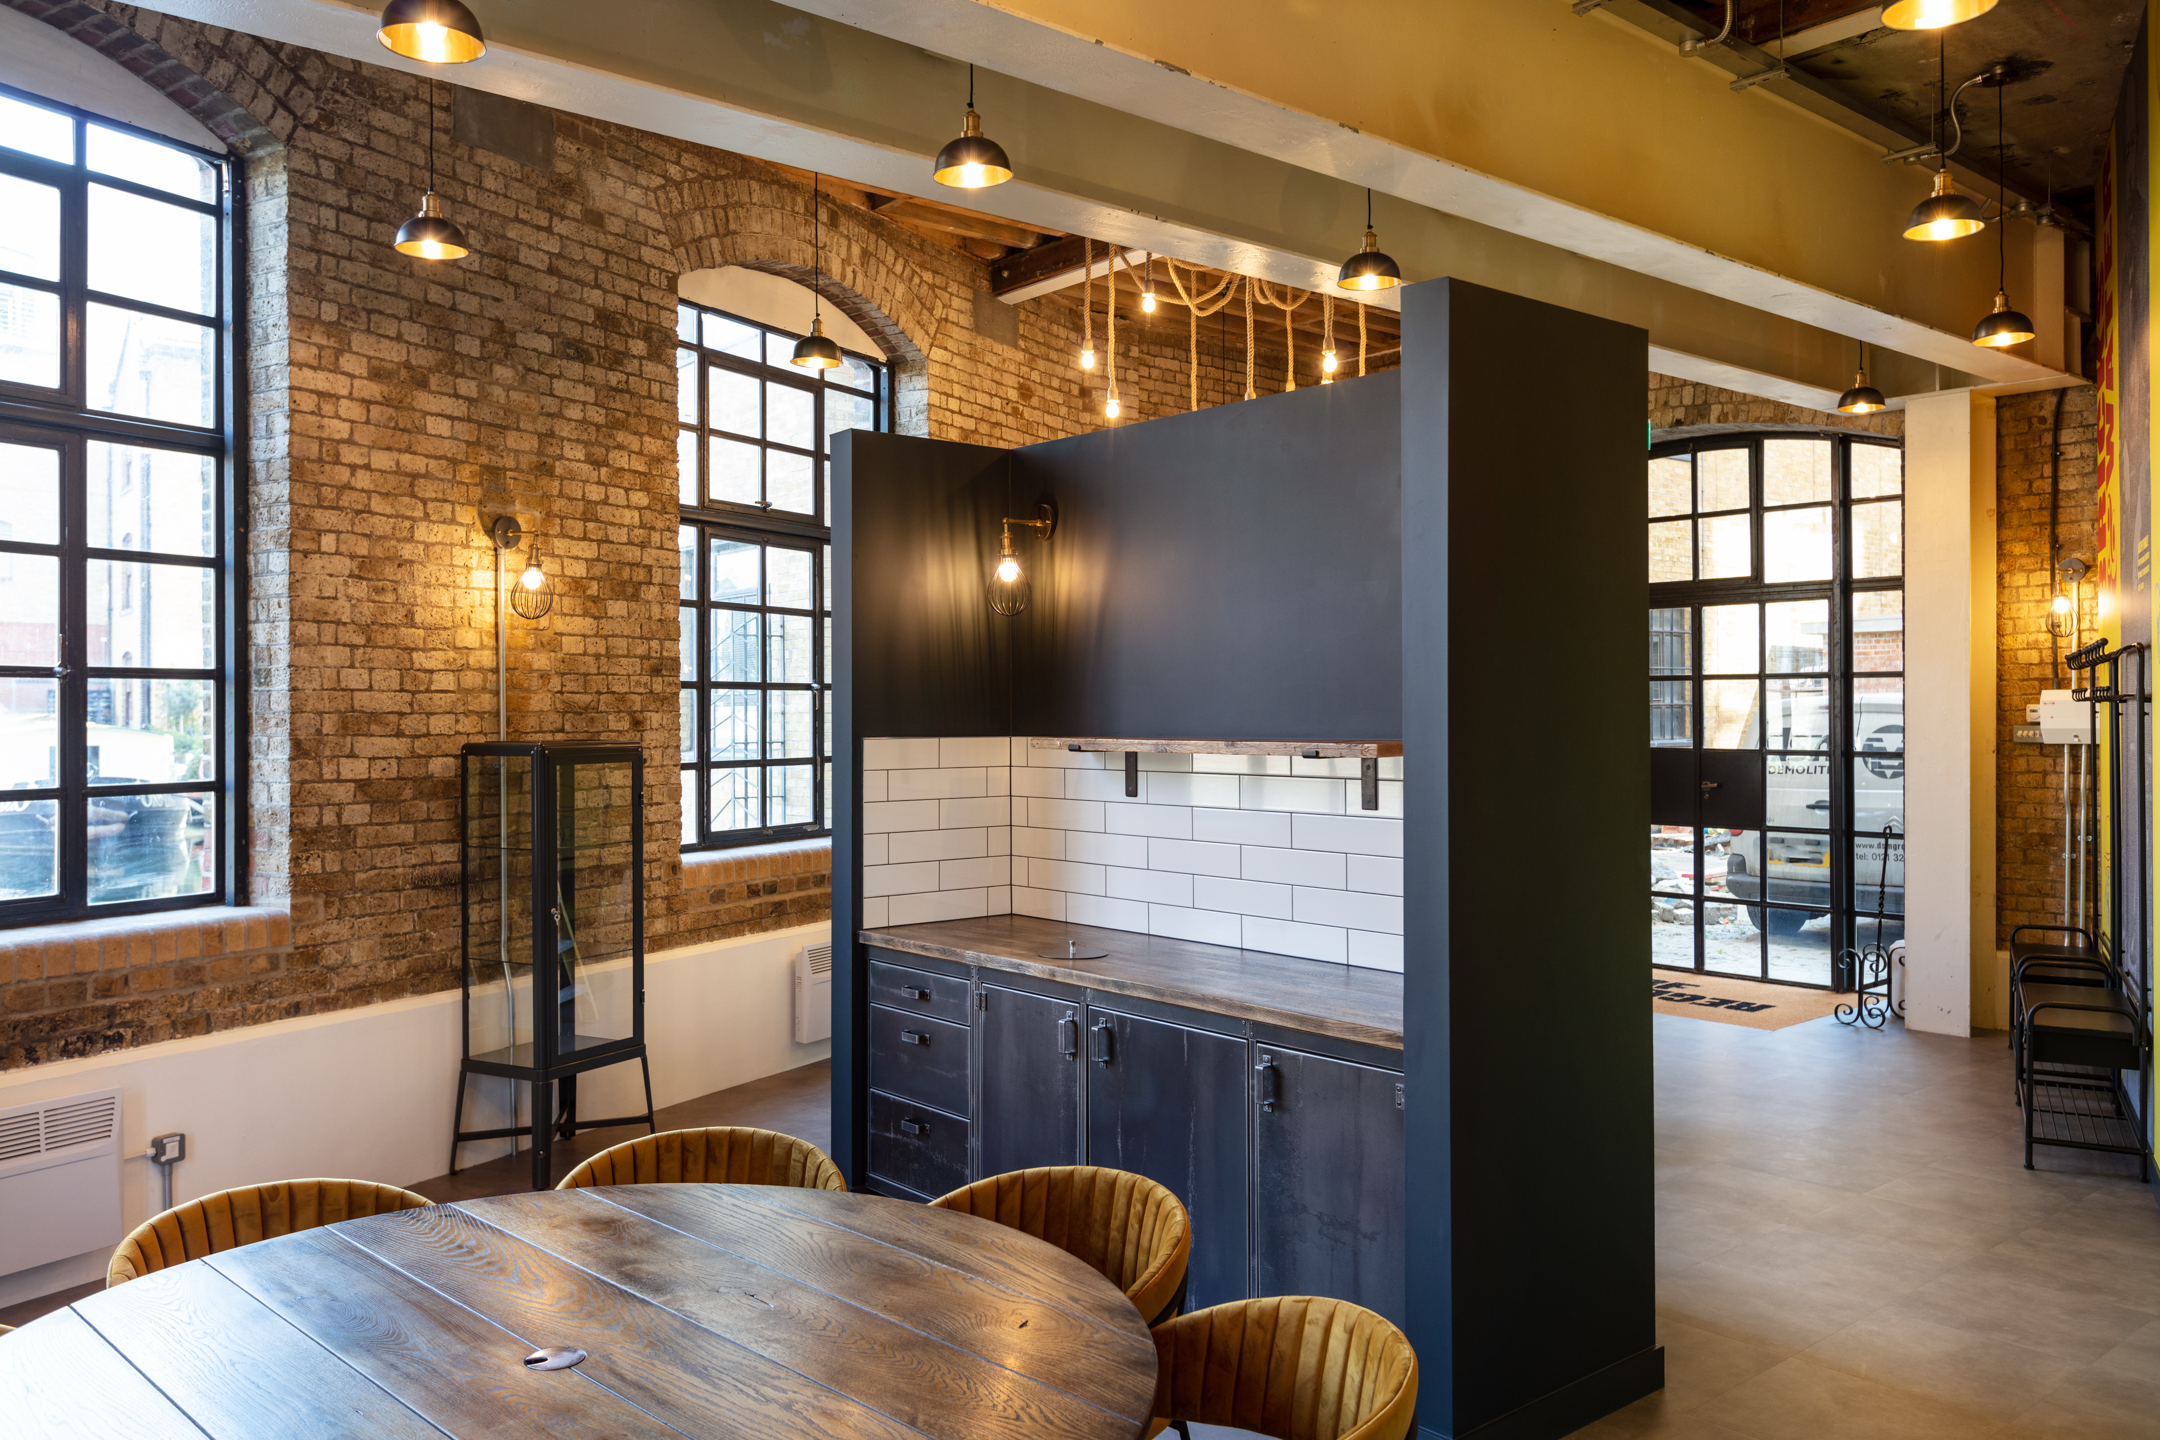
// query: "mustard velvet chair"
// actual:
[[232, 1218], [1297, 1367], [723, 1155], [1132, 1230]]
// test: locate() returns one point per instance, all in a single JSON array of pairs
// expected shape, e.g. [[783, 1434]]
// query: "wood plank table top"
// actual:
[[706, 1311], [1345, 1001]]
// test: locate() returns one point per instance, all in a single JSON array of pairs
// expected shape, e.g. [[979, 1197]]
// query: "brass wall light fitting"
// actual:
[[533, 593], [440, 32], [1370, 268], [1009, 590], [974, 161]]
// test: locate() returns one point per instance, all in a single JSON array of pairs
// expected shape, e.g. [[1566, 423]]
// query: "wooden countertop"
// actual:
[[1344, 1001]]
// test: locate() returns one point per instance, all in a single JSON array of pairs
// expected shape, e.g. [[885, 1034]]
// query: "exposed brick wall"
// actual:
[[2028, 778], [1689, 407]]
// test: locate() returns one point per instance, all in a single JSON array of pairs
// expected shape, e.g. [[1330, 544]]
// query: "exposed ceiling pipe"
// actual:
[[1695, 43]]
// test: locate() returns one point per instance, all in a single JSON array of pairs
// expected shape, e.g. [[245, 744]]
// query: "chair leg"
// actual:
[[1179, 1426]]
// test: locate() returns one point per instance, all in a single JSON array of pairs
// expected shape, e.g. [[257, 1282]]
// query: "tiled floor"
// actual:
[[1850, 1247]]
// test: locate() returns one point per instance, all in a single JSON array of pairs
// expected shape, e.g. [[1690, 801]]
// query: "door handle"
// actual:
[[1709, 785], [914, 993], [912, 1126], [1099, 1042], [1069, 1036], [913, 1037], [1270, 1081], [1818, 805]]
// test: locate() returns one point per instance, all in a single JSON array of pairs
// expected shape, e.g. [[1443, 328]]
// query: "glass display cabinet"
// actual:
[[552, 895]]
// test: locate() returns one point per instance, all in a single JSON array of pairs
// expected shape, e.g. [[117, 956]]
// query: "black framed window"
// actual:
[[1776, 630], [756, 484], [119, 737]]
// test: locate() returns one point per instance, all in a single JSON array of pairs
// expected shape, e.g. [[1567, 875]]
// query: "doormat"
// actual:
[[1737, 1002]]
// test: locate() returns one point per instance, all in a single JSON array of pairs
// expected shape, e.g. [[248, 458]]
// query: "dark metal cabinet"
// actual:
[[1029, 1110], [1327, 1179], [1168, 1101]]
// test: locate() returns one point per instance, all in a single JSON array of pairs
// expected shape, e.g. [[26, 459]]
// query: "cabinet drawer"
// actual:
[[943, 997], [912, 1145], [919, 1058]]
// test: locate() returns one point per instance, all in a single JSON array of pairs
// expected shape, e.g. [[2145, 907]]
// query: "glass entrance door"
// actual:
[[1776, 702]]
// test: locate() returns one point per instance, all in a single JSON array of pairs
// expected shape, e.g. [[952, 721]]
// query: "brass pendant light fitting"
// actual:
[[1371, 268], [439, 32], [2002, 327], [1863, 398], [814, 351], [431, 235], [973, 161]]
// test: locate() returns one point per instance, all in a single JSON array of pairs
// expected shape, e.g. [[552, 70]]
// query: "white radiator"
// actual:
[[59, 1178], [813, 994]]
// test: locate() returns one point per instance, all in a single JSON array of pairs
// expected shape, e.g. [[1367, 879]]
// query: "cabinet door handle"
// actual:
[[913, 1037], [914, 993], [1099, 1042], [915, 1127], [1069, 1036], [1270, 1082]]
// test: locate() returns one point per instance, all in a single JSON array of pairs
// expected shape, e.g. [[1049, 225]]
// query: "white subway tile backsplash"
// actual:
[[1376, 952], [909, 846], [936, 784], [997, 780], [1157, 887], [874, 850], [1050, 784], [1112, 914], [1039, 843], [1245, 897], [1065, 814], [1065, 875], [1390, 798], [1095, 784], [1281, 792], [989, 810], [1042, 904], [1285, 937], [1355, 835], [873, 786], [1094, 849], [1242, 827], [874, 913], [1391, 767], [1207, 926], [997, 840], [997, 900], [1340, 768], [1171, 822], [1352, 909], [899, 879], [1067, 759], [1220, 791], [899, 754], [1193, 857], [939, 905], [965, 874], [1291, 867], [1157, 760], [974, 750], [1380, 874], [900, 815], [1242, 764]]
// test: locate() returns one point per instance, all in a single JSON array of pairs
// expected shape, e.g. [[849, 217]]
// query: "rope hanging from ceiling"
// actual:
[[1087, 296], [1289, 307], [1110, 294], [1197, 305]]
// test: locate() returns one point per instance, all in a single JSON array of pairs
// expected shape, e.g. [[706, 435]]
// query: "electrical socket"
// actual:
[[167, 1149]]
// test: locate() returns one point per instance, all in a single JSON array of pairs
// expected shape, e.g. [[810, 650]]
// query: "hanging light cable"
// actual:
[[974, 161], [2003, 326], [1087, 303], [814, 351], [430, 235], [1110, 406], [1945, 214], [1249, 391], [1863, 398], [440, 32], [1361, 337], [1370, 269]]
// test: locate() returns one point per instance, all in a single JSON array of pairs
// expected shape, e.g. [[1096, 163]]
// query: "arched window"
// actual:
[[118, 752], [1777, 701], [754, 450]]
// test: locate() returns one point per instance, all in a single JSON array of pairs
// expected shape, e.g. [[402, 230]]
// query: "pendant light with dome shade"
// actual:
[[431, 235], [814, 351], [974, 161], [1933, 14], [1863, 398], [439, 32], [1371, 268], [2003, 326], [1945, 214]]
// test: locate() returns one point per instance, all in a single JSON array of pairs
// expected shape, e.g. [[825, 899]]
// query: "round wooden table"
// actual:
[[707, 1310]]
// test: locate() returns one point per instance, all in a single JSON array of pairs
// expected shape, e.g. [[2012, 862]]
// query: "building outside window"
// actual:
[[118, 741], [756, 612]]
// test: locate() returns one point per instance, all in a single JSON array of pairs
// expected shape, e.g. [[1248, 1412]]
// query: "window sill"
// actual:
[[81, 946], [757, 862]]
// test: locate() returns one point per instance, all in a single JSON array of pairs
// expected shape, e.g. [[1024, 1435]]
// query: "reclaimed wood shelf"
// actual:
[[1302, 749]]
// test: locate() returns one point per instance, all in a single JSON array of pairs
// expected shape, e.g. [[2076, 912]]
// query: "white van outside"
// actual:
[[1796, 791]]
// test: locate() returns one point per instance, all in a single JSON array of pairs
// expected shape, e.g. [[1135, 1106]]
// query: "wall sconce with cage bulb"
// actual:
[[2062, 620], [1008, 589], [532, 594]]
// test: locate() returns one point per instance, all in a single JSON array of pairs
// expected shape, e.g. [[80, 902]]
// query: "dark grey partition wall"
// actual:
[[1527, 1029]]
